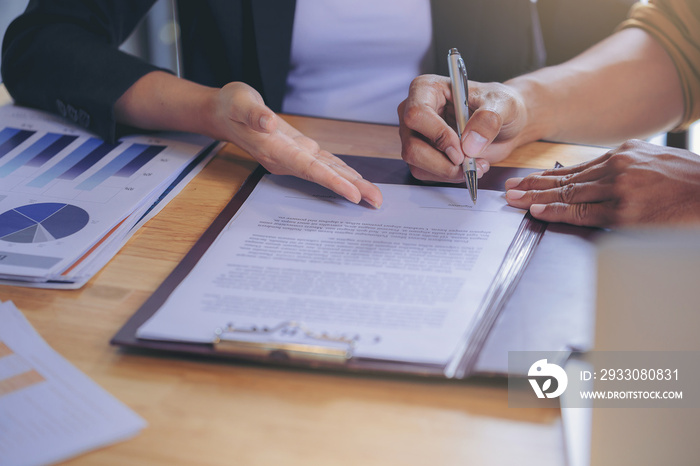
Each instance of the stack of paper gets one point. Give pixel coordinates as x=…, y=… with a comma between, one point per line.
x=69, y=201
x=49, y=410
x=402, y=284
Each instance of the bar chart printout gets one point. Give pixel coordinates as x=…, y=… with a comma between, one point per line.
x=10, y=138
x=49, y=410
x=75, y=163
x=65, y=193
x=97, y=160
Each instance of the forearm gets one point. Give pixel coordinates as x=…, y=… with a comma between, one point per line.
x=162, y=101
x=63, y=57
x=237, y=113
x=622, y=88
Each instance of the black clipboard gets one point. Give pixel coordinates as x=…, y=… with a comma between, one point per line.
x=338, y=355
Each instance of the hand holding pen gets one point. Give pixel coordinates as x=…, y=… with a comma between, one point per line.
x=460, y=96
x=429, y=142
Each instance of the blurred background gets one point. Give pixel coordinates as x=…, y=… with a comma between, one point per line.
x=568, y=27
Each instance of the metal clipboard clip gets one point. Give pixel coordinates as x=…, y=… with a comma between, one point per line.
x=245, y=341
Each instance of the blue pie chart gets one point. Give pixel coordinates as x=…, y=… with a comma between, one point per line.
x=41, y=222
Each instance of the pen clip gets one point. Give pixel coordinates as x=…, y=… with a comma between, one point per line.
x=460, y=89
x=465, y=84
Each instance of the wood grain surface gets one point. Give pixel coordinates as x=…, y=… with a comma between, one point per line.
x=213, y=413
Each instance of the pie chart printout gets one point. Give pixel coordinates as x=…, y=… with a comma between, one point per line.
x=41, y=222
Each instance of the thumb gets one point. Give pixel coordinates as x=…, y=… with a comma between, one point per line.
x=247, y=107
x=481, y=129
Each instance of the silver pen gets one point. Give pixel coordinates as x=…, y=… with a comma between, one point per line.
x=460, y=94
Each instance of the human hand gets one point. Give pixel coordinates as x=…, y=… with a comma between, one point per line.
x=636, y=183
x=430, y=144
x=243, y=118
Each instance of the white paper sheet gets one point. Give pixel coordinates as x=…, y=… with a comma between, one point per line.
x=403, y=281
x=63, y=192
x=49, y=410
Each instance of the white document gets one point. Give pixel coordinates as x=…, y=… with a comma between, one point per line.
x=404, y=281
x=49, y=410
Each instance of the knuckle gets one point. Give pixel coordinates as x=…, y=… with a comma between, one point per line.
x=563, y=181
x=425, y=79
x=621, y=159
x=417, y=81
x=537, y=197
x=567, y=193
x=630, y=144
x=412, y=115
x=400, y=110
x=441, y=139
x=581, y=213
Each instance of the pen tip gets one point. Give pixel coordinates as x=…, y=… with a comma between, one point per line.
x=470, y=176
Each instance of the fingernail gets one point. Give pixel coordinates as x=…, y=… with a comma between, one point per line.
x=514, y=194
x=264, y=122
x=373, y=201
x=536, y=209
x=483, y=164
x=512, y=182
x=454, y=155
x=473, y=144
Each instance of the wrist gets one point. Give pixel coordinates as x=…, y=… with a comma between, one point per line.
x=540, y=119
x=162, y=101
x=207, y=113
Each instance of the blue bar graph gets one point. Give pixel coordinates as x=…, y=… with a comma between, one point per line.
x=7, y=133
x=11, y=138
x=29, y=153
x=45, y=155
x=145, y=157
x=114, y=167
x=88, y=161
x=67, y=163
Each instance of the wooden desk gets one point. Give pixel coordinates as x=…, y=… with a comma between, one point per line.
x=205, y=412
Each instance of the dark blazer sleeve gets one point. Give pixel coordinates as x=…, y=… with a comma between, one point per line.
x=63, y=56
